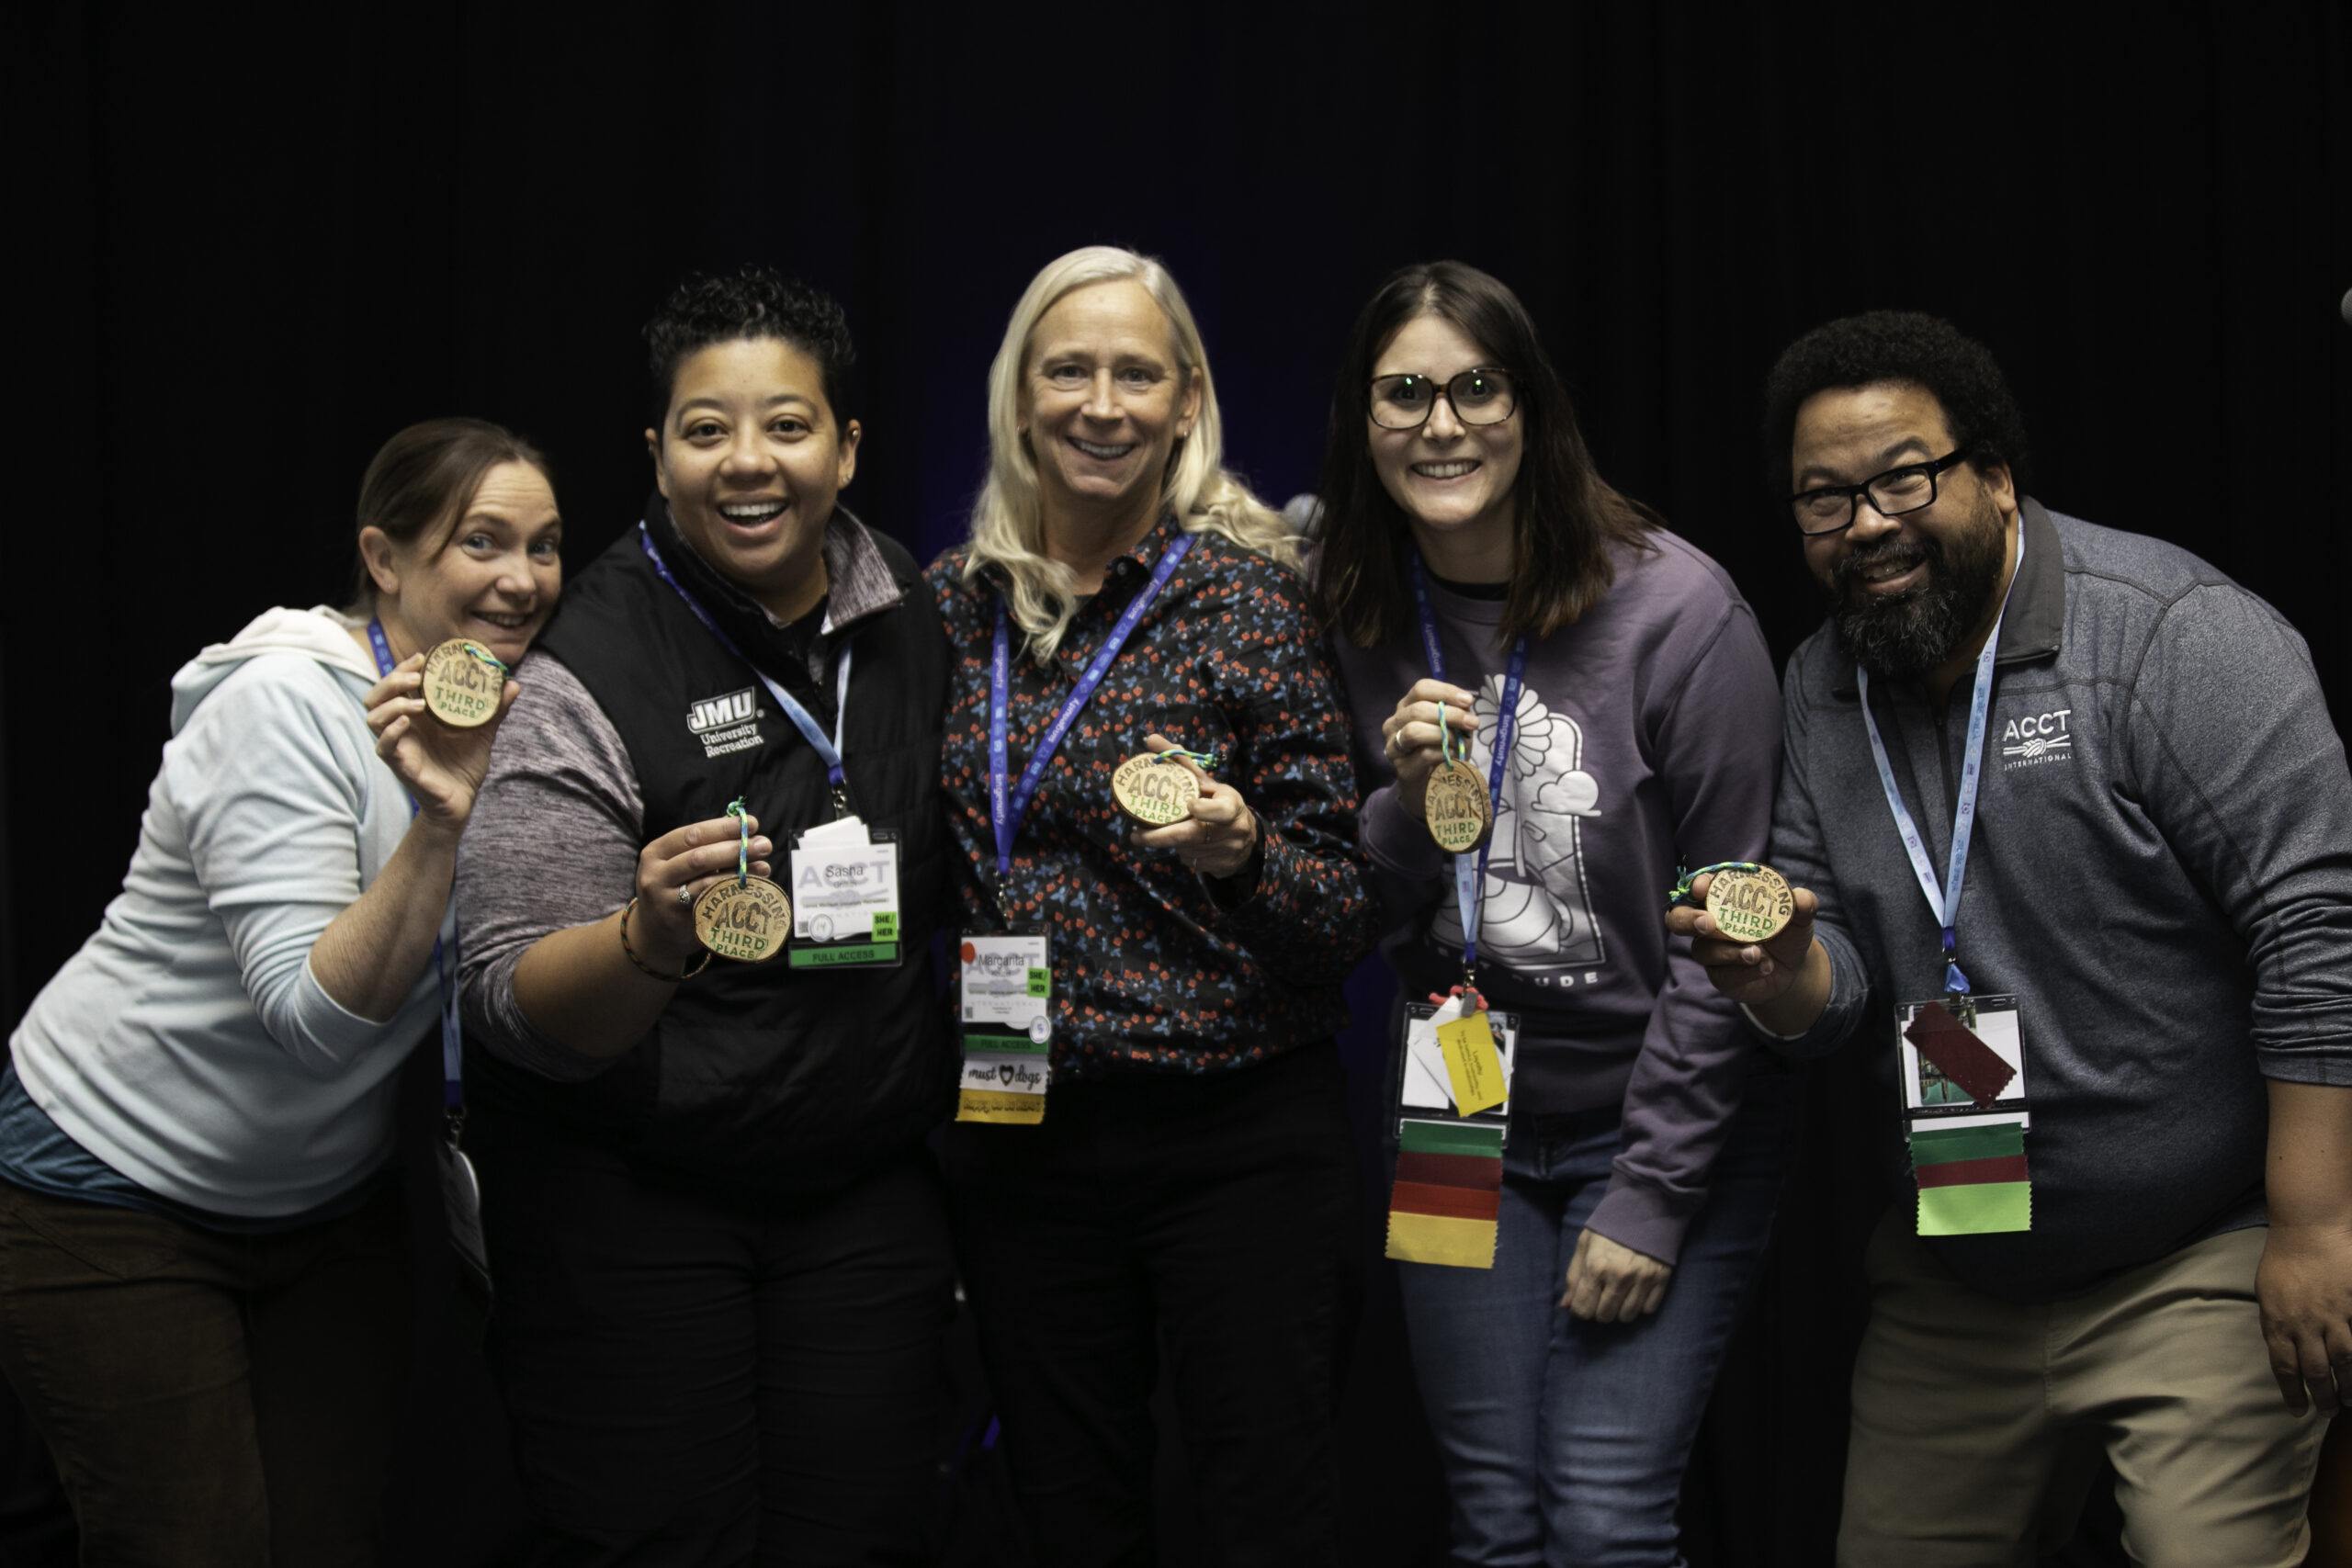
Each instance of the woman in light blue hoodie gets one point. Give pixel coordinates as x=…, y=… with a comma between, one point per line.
x=203, y=1285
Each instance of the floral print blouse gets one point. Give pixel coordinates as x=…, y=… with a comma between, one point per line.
x=1155, y=969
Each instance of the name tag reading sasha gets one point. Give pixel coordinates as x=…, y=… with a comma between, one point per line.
x=844, y=880
x=1007, y=1016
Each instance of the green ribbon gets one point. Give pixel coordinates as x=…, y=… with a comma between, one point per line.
x=486, y=656
x=1207, y=760
x=743, y=849
x=1681, y=892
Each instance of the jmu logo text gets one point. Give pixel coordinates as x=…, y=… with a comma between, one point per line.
x=714, y=712
x=727, y=723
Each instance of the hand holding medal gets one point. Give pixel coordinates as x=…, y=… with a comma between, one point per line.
x=1185, y=809
x=1749, y=929
x=440, y=764
x=743, y=916
x=1454, y=801
x=1431, y=731
x=462, y=681
x=660, y=933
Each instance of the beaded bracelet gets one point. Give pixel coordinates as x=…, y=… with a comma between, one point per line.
x=641, y=964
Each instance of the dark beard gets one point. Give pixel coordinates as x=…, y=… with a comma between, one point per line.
x=1902, y=639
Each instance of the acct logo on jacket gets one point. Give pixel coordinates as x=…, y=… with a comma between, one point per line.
x=729, y=723
x=2044, y=737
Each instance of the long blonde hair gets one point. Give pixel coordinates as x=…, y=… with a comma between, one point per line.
x=1008, y=523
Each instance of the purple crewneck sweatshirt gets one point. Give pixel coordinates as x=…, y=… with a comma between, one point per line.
x=1649, y=737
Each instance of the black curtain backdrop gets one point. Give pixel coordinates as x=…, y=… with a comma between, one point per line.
x=255, y=243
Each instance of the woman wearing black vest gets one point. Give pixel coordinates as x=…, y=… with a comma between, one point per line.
x=717, y=1240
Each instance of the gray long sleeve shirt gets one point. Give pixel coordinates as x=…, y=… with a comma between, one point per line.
x=2161, y=872
x=1645, y=736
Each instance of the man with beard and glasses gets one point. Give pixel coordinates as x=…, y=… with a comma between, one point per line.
x=2112, y=1029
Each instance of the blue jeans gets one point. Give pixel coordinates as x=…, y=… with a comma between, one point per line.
x=1565, y=1440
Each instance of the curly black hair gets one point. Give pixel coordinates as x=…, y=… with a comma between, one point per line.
x=753, y=301
x=1897, y=345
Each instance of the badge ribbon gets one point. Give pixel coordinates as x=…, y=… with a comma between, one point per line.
x=1448, y=1194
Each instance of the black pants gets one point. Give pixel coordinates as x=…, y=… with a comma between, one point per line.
x=212, y=1400
x=698, y=1381
x=1217, y=1216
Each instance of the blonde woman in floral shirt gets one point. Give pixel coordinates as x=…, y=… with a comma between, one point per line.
x=1191, y=1180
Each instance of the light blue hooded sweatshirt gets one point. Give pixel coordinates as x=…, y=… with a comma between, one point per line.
x=187, y=1044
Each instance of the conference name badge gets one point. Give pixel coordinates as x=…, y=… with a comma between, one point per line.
x=1963, y=1069
x=1006, y=1012
x=845, y=911
x=1453, y=1111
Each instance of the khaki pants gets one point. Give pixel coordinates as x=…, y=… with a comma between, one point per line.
x=1978, y=1423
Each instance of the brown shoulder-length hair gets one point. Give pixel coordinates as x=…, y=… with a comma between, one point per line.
x=1565, y=515
x=422, y=481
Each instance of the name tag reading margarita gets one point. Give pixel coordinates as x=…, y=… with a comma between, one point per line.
x=1007, y=1030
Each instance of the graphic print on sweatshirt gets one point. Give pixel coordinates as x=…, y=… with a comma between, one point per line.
x=1538, y=906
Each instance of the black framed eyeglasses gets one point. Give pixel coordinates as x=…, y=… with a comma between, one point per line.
x=1831, y=509
x=1478, y=396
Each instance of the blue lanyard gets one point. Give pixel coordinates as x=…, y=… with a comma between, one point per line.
x=828, y=748
x=1005, y=814
x=1469, y=868
x=453, y=1055
x=1945, y=900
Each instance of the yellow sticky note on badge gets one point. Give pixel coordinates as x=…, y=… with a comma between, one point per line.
x=1471, y=1062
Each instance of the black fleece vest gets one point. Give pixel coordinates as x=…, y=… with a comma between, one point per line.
x=787, y=1079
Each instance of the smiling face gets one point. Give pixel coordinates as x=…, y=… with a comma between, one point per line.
x=1452, y=480
x=493, y=578
x=750, y=458
x=1908, y=595
x=1103, y=401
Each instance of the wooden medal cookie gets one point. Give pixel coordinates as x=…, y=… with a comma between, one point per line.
x=1750, y=905
x=1154, y=793
x=744, y=921
x=462, y=682
x=1455, y=803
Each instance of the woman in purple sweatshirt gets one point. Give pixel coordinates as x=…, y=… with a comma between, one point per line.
x=1471, y=557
